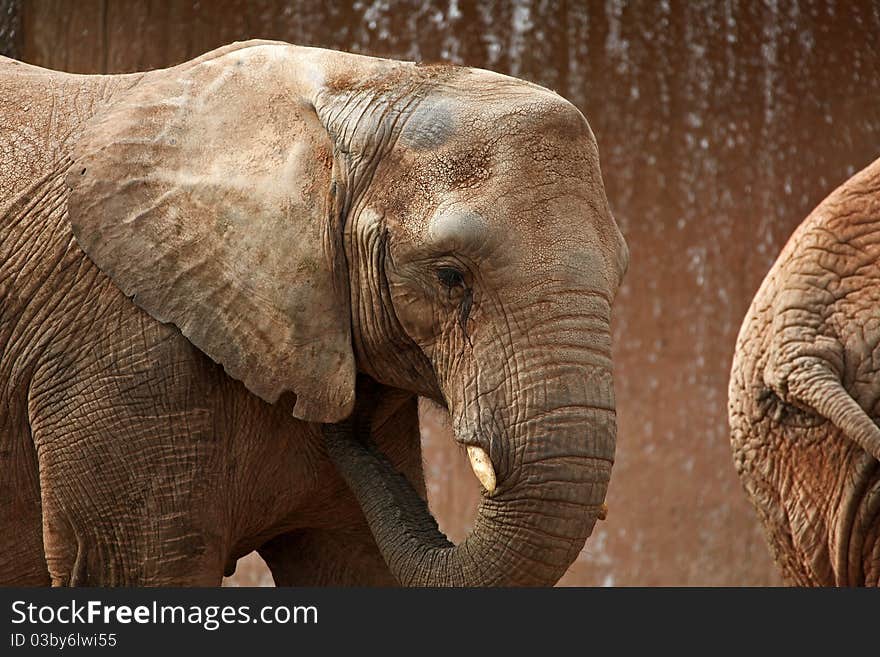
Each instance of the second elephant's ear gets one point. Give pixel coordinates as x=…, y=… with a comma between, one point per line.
x=204, y=193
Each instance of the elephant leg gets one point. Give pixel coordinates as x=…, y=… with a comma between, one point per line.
x=326, y=557
x=119, y=520
x=107, y=526
x=22, y=562
x=128, y=446
x=85, y=546
x=21, y=544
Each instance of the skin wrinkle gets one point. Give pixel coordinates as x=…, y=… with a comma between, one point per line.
x=852, y=494
x=26, y=339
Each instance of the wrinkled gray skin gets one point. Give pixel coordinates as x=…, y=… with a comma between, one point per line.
x=224, y=284
x=804, y=394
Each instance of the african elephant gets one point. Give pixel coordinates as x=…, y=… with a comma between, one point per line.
x=805, y=393
x=225, y=284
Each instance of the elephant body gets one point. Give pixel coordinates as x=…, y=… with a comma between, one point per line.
x=805, y=394
x=128, y=456
x=203, y=267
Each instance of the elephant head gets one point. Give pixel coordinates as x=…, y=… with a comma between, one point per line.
x=305, y=216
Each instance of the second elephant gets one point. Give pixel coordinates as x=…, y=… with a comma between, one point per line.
x=805, y=393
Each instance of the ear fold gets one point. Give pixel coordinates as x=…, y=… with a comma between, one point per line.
x=205, y=195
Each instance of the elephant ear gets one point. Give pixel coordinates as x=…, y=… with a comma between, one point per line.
x=204, y=194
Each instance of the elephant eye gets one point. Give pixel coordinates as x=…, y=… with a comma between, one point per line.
x=450, y=277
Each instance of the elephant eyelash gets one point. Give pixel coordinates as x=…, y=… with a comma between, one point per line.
x=453, y=279
x=450, y=277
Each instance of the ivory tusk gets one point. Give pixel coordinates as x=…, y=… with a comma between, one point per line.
x=481, y=464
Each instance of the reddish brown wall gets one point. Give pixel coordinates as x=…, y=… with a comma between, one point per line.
x=720, y=125
x=10, y=27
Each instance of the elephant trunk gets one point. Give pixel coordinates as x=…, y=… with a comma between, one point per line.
x=530, y=530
